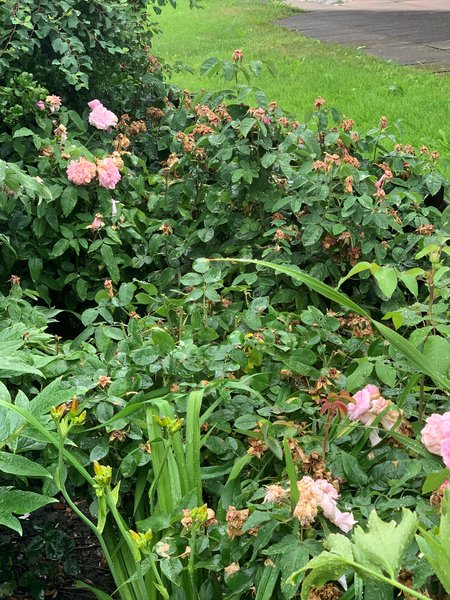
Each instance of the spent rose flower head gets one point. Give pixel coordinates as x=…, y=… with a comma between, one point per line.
x=96, y=224
x=100, y=117
x=108, y=173
x=81, y=171
x=320, y=492
x=54, y=103
x=275, y=493
x=237, y=56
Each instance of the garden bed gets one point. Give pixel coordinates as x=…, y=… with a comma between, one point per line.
x=224, y=353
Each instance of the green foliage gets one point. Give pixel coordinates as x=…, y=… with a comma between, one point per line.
x=434, y=545
x=367, y=553
x=234, y=184
x=78, y=45
x=17, y=502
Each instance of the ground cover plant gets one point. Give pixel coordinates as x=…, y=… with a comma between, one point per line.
x=223, y=340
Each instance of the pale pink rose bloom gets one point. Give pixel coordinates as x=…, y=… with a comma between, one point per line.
x=81, y=171
x=344, y=520
x=373, y=391
x=368, y=403
x=390, y=418
x=445, y=451
x=328, y=505
x=360, y=406
x=326, y=488
x=54, y=102
x=101, y=117
x=108, y=174
x=379, y=183
x=40, y=105
x=94, y=104
x=437, y=429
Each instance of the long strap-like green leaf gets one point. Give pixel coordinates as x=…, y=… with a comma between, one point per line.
x=415, y=357
x=194, y=404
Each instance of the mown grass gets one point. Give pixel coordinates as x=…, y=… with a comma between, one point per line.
x=362, y=87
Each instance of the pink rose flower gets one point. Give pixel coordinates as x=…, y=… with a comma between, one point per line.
x=437, y=429
x=344, y=520
x=389, y=419
x=445, y=451
x=108, y=174
x=368, y=403
x=40, y=105
x=100, y=117
x=361, y=406
x=94, y=104
x=81, y=171
x=327, y=488
x=379, y=183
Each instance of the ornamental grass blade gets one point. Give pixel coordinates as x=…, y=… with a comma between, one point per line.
x=194, y=404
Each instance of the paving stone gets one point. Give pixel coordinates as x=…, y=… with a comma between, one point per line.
x=410, y=32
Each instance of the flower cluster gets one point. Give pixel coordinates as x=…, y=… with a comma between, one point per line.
x=436, y=436
x=320, y=493
x=100, y=117
x=367, y=405
x=83, y=171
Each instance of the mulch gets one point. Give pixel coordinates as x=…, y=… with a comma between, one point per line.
x=84, y=556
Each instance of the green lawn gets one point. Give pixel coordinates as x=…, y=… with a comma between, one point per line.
x=362, y=87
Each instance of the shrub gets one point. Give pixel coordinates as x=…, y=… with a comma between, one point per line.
x=80, y=45
x=203, y=178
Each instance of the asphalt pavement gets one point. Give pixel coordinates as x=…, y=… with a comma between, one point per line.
x=408, y=32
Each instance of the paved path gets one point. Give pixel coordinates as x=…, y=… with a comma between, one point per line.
x=409, y=32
